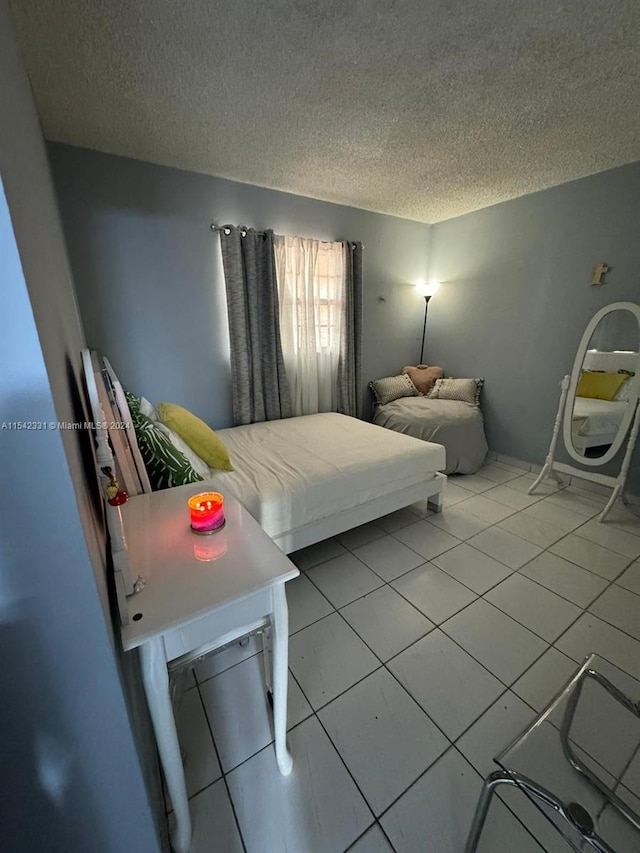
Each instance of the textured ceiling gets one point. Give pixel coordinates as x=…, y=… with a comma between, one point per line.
x=425, y=109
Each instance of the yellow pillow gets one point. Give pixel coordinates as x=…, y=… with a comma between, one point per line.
x=600, y=386
x=200, y=437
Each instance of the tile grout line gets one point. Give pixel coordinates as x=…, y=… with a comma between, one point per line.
x=224, y=774
x=478, y=596
x=314, y=712
x=440, y=625
x=549, y=644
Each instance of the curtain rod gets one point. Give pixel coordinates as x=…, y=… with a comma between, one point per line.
x=226, y=229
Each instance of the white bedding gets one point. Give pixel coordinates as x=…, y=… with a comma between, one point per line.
x=596, y=417
x=291, y=472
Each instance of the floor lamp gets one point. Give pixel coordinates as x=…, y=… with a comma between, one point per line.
x=427, y=290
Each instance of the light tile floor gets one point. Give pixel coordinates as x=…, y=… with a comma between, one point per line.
x=420, y=645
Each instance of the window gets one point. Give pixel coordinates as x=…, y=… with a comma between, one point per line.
x=311, y=285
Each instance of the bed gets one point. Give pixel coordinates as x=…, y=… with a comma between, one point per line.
x=458, y=426
x=306, y=478
x=595, y=422
x=303, y=479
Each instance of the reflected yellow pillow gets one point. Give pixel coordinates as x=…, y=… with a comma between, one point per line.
x=200, y=437
x=600, y=386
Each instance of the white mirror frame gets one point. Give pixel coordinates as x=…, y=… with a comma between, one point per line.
x=553, y=469
x=594, y=462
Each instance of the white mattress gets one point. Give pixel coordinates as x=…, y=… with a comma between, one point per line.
x=291, y=472
x=595, y=417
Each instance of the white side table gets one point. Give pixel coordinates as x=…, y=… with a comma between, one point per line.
x=201, y=592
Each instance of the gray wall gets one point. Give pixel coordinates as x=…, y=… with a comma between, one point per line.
x=516, y=297
x=71, y=778
x=149, y=277
x=514, y=300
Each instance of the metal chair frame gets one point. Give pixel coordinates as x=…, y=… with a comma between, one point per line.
x=575, y=815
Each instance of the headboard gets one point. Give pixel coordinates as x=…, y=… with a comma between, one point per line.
x=116, y=452
x=611, y=362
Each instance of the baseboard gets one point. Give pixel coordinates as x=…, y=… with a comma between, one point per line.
x=513, y=462
x=508, y=460
x=578, y=482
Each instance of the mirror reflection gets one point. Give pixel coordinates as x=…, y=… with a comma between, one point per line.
x=604, y=389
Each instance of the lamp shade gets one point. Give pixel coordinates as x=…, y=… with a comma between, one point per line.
x=428, y=288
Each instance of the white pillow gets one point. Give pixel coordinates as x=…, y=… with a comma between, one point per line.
x=623, y=394
x=198, y=464
x=149, y=410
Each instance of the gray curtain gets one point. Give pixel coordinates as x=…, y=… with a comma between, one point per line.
x=260, y=387
x=350, y=361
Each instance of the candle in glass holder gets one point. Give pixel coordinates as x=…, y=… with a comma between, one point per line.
x=206, y=512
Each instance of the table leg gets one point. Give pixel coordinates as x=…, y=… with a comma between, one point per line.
x=280, y=654
x=266, y=660
x=156, y=685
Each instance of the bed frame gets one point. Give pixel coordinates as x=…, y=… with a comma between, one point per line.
x=325, y=528
x=583, y=443
x=110, y=410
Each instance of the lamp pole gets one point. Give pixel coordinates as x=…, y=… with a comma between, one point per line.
x=424, y=327
x=426, y=290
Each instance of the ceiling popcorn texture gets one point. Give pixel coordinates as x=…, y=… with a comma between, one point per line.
x=425, y=109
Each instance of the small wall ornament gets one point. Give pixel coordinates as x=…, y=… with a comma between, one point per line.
x=598, y=271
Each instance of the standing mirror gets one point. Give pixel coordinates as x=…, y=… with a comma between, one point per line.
x=603, y=388
x=599, y=400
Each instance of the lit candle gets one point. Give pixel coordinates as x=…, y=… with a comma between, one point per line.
x=206, y=511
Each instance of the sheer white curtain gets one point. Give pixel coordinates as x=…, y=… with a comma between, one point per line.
x=311, y=285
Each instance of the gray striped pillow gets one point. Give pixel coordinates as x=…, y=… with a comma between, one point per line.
x=392, y=388
x=463, y=390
